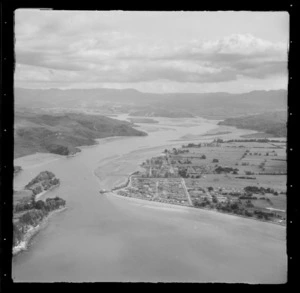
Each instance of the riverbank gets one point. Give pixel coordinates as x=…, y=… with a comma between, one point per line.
x=32, y=231
x=174, y=206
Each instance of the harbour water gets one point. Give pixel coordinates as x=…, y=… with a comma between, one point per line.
x=100, y=237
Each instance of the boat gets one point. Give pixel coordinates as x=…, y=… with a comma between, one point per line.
x=103, y=191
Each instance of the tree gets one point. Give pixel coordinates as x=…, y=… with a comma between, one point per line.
x=31, y=217
x=214, y=199
x=40, y=205
x=17, y=235
x=182, y=173
x=234, y=206
x=215, y=161
x=249, y=173
x=248, y=213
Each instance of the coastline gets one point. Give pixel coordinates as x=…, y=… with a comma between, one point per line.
x=175, y=205
x=23, y=245
x=148, y=233
x=97, y=141
x=58, y=156
x=36, y=159
x=144, y=201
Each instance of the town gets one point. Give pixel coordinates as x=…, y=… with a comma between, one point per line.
x=246, y=177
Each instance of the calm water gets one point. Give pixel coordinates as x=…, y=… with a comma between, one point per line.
x=106, y=238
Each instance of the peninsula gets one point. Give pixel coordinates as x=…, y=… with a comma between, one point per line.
x=29, y=213
x=241, y=177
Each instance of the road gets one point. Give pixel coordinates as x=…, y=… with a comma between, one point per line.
x=186, y=191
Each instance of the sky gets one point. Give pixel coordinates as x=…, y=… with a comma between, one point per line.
x=156, y=52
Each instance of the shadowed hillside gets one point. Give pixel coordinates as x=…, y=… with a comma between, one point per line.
x=61, y=134
x=272, y=123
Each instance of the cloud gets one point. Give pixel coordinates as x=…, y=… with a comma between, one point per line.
x=82, y=47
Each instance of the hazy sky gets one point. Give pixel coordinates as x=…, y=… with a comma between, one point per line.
x=152, y=51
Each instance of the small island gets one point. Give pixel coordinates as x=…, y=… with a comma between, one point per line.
x=29, y=213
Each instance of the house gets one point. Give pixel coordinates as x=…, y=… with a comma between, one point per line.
x=222, y=198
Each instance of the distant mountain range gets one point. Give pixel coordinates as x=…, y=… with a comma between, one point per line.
x=208, y=105
x=61, y=134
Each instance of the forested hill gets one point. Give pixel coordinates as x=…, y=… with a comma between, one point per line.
x=274, y=123
x=61, y=134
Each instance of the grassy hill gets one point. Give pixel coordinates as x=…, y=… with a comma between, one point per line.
x=272, y=123
x=61, y=134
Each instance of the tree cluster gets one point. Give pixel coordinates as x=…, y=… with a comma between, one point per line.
x=36, y=212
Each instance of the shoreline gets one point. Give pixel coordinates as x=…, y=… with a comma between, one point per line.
x=29, y=234
x=82, y=147
x=107, y=138
x=23, y=245
x=173, y=205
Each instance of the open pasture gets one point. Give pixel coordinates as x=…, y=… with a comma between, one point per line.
x=232, y=183
x=273, y=166
x=225, y=156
